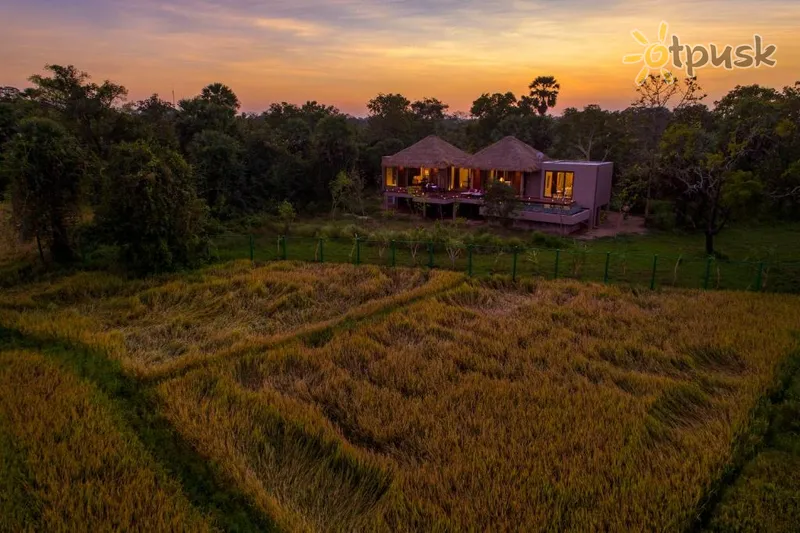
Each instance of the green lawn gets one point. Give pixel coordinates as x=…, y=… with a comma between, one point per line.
x=739, y=243
x=749, y=256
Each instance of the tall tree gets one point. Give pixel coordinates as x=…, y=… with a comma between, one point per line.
x=335, y=150
x=217, y=161
x=46, y=167
x=654, y=98
x=151, y=210
x=429, y=113
x=80, y=103
x=490, y=110
x=158, y=118
x=220, y=95
x=772, y=119
x=587, y=134
x=703, y=168
x=390, y=116
x=214, y=109
x=544, y=93
x=535, y=130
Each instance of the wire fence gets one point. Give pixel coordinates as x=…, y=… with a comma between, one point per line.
x=638, y=269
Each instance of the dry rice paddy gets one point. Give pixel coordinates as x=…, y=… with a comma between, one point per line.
x=357, y=398
x=67, y=464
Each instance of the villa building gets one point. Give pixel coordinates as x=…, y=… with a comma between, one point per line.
x=563, y=195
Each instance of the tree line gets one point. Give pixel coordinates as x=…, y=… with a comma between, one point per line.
x=155, y=175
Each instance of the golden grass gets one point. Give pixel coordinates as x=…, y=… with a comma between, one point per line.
x=572, y=407
x=360, y=398
x=166, y=323
x=76, y=469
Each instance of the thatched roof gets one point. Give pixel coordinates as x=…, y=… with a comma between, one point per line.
x=509, y=153
x=430, y=152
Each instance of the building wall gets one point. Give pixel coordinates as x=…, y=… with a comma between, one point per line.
x=533, y=184
x=605, y=174
x=584, y=184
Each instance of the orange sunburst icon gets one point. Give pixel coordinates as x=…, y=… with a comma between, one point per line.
x=655, y=55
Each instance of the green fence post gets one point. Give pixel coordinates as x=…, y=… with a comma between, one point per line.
x=358, y=250
x=653, y=277
x=394, y=248
x=760, y=276
x=430, y=255
x=608, y=261
x=558, y=255
x=322, y=250
x=708, y=271
x=514, y=265
x=469, y=260
x=252, y=249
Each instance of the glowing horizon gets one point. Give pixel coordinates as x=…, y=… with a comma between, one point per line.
x=344, y=52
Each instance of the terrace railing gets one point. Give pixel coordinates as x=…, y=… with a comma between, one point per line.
x=636, y=269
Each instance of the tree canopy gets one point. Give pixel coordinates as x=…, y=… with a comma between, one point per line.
x=64, y=143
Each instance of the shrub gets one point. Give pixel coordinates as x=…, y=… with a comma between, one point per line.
x=287, y=215
x=500, y=201
x=151, y=209
x=662, y=215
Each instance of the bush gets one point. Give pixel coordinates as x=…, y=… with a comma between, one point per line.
x=287, y=216
x=662, y=215
x=544, y=240
x=151, y=210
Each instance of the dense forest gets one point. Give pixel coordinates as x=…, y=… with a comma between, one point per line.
x=157, y=175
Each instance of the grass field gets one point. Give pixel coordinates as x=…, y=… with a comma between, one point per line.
x=749, y=257
x=69, y=464
x=329, y=397
x=765, y=496
x=166, y=322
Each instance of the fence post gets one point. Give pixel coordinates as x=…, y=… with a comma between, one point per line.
x=430, y=255
x=393, y=253
x=358, y=250
x=252, y=249
x=558, y=255
x=608, y=260
x=760, y=276
x=653, y=277
x=283, y=247
x=322, y=250
x=708, y=271
x=514, y=265
x=469, y=260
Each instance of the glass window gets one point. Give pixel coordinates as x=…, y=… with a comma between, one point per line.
x=558, y=184
x=568, y=185
x=463, y=178
x=548, y=184
x=391, y=177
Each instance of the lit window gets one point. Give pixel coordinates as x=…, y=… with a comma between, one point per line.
x=463, y=178
x=558, y=184
x=391, y=177
x=548, y=184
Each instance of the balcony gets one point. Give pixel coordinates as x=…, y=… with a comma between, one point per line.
x=561, y=211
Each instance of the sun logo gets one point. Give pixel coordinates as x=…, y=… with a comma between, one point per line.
x=655, y=56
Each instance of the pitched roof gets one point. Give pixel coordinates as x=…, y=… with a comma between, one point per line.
x=509, y=153
x=429, y=152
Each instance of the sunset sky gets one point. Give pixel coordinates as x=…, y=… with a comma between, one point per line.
x=343, y=52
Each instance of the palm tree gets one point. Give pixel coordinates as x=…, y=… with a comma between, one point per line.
x=544, y=93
